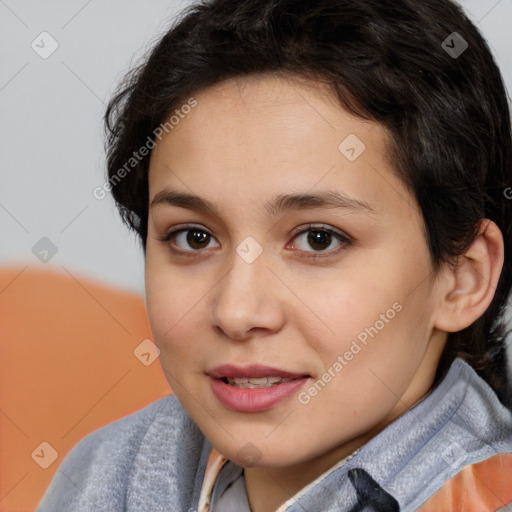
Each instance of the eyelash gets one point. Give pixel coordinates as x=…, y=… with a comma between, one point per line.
x=345, y=240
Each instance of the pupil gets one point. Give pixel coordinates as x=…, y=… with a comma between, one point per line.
x=322, y=238
x=195, y=238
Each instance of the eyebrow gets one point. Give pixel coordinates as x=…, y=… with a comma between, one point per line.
x=280, y=204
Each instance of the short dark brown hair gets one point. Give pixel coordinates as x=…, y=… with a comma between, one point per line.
x=401, y=63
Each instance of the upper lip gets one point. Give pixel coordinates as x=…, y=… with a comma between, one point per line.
x=253, y=370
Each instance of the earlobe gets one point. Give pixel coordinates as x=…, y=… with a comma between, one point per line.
x=472, y=282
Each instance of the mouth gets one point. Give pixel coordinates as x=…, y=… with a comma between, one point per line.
x=253, y=388
x=254, y=382
x=256, y=375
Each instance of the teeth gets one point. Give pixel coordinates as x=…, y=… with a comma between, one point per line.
x=259, y=380
x=255, y=382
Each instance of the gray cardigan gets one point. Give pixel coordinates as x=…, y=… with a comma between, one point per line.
x=154, y=459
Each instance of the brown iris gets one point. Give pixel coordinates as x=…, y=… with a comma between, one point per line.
x=322, y=238
x=196, y=237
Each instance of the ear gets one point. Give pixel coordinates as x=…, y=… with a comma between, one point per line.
x=468, y=288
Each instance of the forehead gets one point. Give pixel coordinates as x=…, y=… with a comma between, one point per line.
x=275, y=110
x=249, y=137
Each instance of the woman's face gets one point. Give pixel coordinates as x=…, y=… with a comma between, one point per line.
x=298, y=259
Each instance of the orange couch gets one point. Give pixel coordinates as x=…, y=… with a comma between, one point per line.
x=74, y=355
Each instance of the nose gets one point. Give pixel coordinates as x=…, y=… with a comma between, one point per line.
x=247, y=301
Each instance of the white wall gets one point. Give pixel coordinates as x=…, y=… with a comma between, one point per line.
x=51, y=129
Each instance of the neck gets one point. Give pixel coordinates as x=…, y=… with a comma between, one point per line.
x=269, y=488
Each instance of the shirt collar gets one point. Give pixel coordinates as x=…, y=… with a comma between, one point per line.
x=216, y=462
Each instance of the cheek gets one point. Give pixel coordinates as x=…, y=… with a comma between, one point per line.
x=171, y=308
x=355, y=303
x=375, y=320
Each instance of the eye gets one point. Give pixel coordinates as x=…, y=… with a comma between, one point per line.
x=186, y=238
x=321, y=238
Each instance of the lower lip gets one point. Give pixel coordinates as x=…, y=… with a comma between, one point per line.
x=254, y=399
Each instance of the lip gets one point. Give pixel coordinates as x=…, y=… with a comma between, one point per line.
x=253, y=370
x=253, y=399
